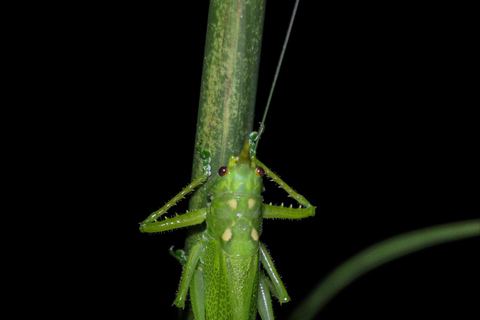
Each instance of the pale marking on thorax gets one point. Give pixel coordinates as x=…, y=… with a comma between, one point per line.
x=254, y=234
x=227, y=234
x=232, y=203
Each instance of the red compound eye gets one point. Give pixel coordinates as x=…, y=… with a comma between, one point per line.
x=260, y=172
x=222, y=171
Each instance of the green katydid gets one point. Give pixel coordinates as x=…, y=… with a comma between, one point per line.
x=222, y=271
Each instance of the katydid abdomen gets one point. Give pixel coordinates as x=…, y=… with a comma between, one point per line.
x=230, y=284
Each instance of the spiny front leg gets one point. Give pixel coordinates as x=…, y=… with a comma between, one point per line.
x=157, y=214
x=205, y=154
x=280, y=211
x=179, y=221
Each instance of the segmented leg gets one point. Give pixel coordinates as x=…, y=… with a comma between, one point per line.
x=271, y=211
x=264, y=304
x=197, y=295
x=298, y=197
x=280, y=291
x=188, y=219
x=157, y=214
x=187, y=275
x=279, y=212
x=205, y=154
x=197, y=287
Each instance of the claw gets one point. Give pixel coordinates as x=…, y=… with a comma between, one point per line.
x=179, y=255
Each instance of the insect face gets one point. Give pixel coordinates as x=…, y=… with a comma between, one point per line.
x=241, y=176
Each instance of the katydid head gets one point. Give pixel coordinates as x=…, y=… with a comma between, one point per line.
x=241, y=175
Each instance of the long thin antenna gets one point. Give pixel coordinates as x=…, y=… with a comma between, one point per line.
x=262, y=125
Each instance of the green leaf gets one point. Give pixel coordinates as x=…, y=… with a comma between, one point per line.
x=377, y=255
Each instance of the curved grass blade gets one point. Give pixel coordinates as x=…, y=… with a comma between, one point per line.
x=377, y=255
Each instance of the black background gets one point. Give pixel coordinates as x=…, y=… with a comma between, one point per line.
x=364, y=122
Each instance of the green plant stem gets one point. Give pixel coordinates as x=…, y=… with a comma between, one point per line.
x=377, y=255
x=228, y=91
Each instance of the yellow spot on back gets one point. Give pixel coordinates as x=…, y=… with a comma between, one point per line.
x=254, y=234
x=227, y=234
x=251, y=203
x=232, y=203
